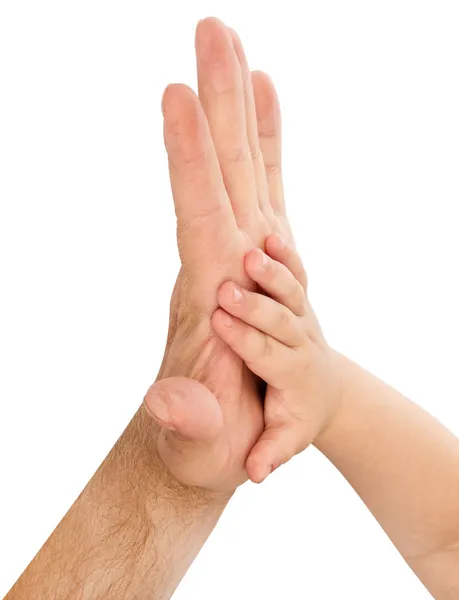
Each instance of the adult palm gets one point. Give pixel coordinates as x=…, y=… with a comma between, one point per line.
x=224, y=153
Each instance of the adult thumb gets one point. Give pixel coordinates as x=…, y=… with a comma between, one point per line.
x=192, y=422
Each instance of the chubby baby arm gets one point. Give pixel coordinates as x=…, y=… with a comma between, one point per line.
x=401, y=461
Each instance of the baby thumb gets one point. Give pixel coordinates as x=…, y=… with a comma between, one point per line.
x=275, y=446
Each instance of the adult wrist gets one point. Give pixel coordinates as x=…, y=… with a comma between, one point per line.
x=137, y=451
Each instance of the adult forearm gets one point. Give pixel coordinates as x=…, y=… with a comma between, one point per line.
x=132, y=533
x=404, y=465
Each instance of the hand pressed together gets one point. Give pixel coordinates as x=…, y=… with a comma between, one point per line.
x=280, y=340
x=224, y=150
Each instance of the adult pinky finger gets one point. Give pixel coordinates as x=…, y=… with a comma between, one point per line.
x=263, y=355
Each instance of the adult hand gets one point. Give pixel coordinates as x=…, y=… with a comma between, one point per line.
x=224, y=152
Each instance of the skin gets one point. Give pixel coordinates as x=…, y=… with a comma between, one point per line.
x=400, y=460
x=139, y=523
x=279, y=338
x=143, y=517
x=224, y=159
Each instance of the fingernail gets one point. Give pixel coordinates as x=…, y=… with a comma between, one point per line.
x=264, y=258
x=237, y=294
x=159, y=407
x=227, y=320
x=269, y=470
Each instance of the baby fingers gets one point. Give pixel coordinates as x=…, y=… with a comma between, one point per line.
x=261, y=312
x=276, y=279
x=263, y=355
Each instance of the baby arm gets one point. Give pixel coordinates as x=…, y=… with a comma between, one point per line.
x=400, y=460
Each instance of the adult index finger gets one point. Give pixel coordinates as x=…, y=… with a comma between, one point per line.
x=204, y=214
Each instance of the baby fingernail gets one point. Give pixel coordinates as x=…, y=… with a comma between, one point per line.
x=237, y=294
x=269, y=469
x=264, y=258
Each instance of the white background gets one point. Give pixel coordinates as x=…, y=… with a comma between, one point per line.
x=369, y=94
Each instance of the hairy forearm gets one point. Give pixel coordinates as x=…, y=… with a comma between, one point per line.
x=405, y=466
x=132, y=533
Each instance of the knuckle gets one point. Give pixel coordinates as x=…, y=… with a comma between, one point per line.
x=255, y=151
x=236, y=156
x=273, y=168
x=193, y=156
x=245, y=218
x=266, y=350
x=283, y=320
x=245, y=337
x=201, y=214
x=277, y=411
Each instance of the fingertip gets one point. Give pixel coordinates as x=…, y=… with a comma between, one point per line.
x=223, y=291
x=258, y=470
x=256, y=259
x=253, y=254
x=221, y=320
x=215, y=319
x=275, y=243
x=255, y=476
x=256, y=479
x=229, y=294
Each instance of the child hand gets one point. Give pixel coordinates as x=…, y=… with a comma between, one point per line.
x=280, y=340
